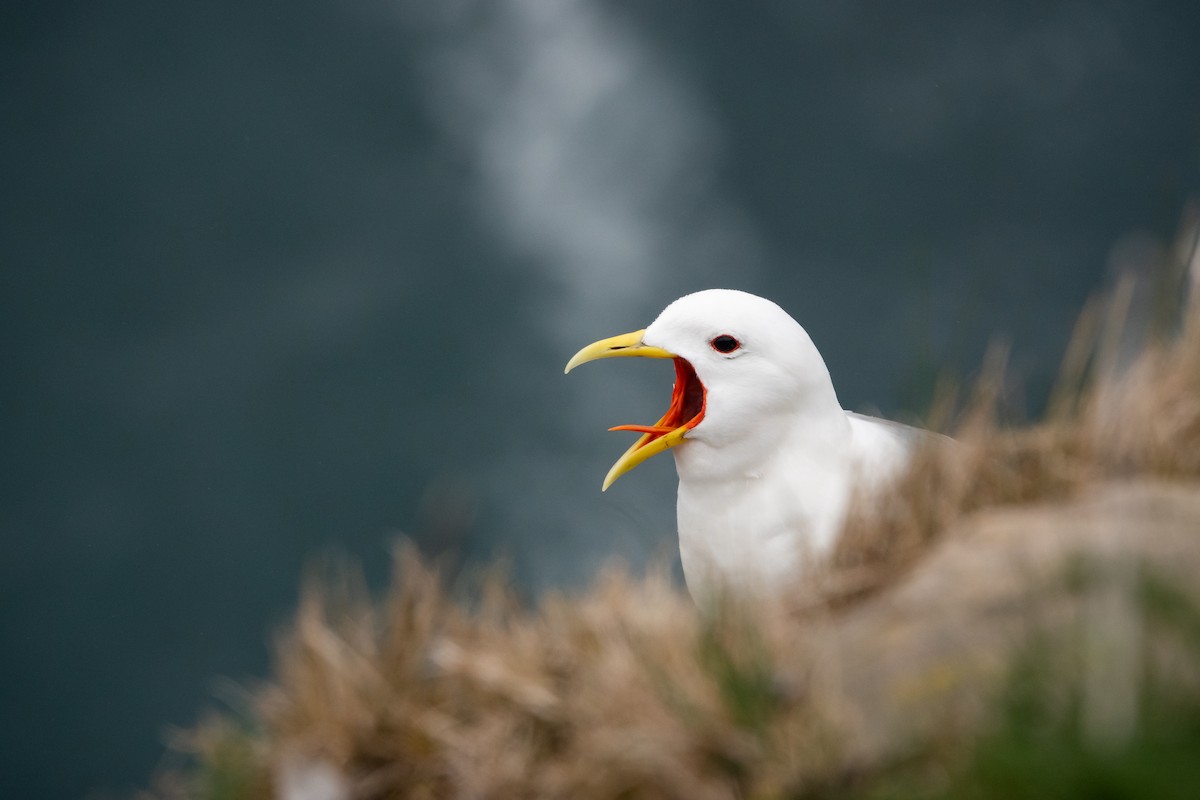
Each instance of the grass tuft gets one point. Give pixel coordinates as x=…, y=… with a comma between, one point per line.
x=1017, y=618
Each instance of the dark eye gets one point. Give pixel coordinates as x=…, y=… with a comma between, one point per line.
x=725, y=343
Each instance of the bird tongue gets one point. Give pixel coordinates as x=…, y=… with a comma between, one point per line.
x=688, y=398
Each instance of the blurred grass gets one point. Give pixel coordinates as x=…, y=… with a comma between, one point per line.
x=1036, y=747
x=928, y=660
x=1040, y=746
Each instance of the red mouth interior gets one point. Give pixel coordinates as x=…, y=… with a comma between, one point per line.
x=687, y=406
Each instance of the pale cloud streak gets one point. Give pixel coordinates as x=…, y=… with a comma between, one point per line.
x=593, y=161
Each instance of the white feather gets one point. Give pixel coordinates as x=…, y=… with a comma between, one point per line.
x=765, y=478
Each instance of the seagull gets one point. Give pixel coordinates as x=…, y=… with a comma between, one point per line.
x=766, y=456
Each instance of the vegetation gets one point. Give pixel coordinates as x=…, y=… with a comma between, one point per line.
x=1015, y=620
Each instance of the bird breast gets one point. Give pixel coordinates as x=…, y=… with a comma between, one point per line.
x=760, y=527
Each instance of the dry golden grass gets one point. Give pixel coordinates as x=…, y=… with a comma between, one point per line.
x=1106, y=420
x=627, y=690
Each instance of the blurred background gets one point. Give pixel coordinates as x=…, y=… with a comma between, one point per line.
x=287, y=279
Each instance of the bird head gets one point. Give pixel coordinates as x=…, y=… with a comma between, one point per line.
x=744, y=369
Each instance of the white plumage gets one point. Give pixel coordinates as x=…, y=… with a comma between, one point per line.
x=767, y=458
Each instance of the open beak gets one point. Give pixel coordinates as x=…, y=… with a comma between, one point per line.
x=687, y=401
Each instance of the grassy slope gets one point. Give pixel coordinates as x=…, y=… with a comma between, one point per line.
x=1017, y=620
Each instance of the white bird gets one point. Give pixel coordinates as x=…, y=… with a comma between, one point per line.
x=767, y=458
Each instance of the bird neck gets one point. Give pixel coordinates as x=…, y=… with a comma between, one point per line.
x=818, y=435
